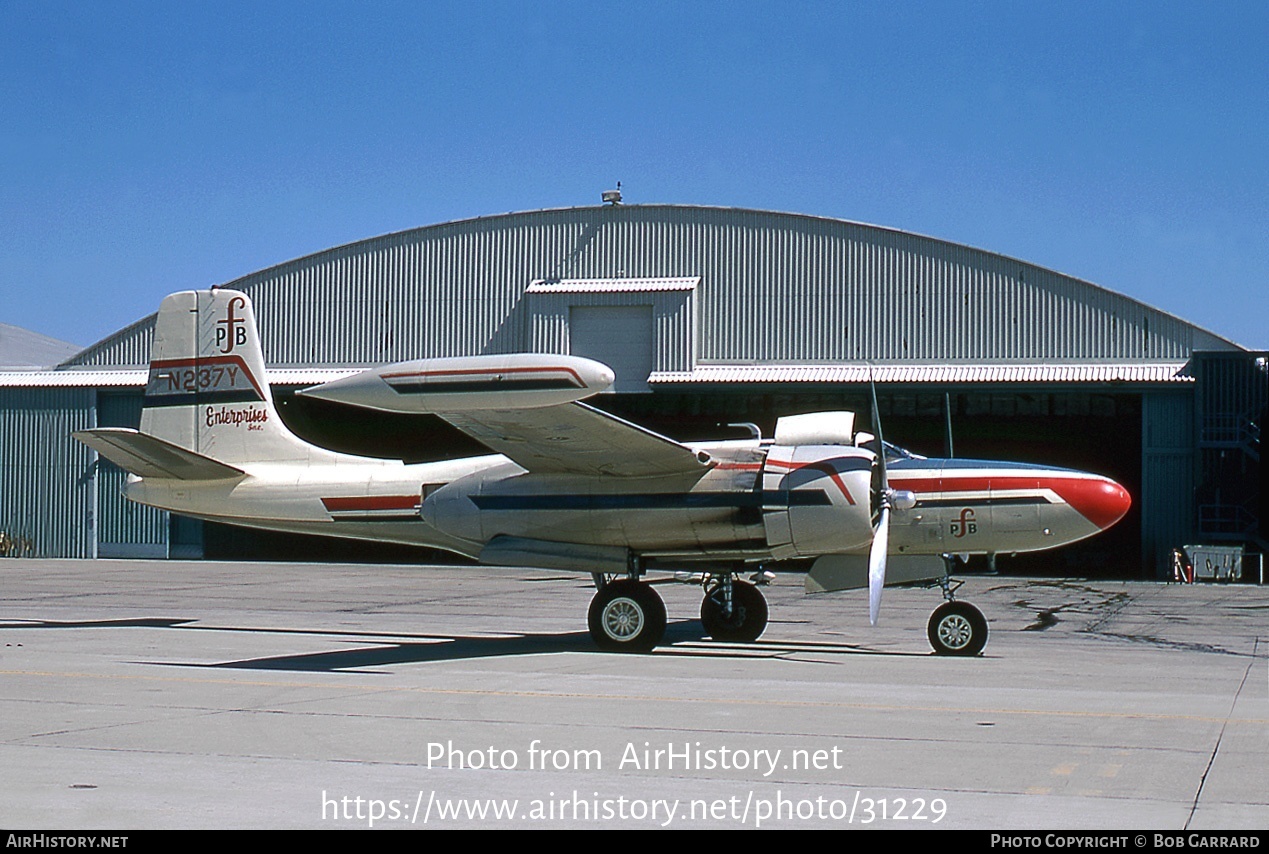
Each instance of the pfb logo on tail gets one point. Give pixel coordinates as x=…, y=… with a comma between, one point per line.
x=232, y=330
x=966, y=524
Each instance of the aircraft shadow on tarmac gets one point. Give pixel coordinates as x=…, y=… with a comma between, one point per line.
x=684, y=638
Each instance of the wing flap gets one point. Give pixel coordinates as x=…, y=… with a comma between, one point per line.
x=577, y=439
x=146, y=456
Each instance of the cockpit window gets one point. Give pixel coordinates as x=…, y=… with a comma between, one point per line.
x=893, y=452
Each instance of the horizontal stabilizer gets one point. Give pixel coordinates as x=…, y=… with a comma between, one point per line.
x=146, y=456
x=831, y=573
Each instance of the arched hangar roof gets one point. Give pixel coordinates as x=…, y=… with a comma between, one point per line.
x=728, y=286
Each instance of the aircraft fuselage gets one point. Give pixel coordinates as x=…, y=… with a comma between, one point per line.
x=961, y=506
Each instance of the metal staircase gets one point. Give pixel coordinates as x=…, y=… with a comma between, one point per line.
x=1232, y=400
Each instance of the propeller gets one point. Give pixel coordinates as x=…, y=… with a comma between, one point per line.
x=881, y=533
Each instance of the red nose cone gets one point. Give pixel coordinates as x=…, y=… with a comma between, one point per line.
x=1099, y=500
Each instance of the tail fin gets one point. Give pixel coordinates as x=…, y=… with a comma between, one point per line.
x=207, y=391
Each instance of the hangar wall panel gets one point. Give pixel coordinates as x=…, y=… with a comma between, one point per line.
x=47, y=491
x=129, y=346
x=1167, y=478
x=773, y=288
x=125, y=529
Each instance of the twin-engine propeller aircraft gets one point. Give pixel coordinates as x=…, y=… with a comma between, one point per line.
x=570, y=487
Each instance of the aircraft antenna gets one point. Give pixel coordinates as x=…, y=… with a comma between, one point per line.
x=947, y=418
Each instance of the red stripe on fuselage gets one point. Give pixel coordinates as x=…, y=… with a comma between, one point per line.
x=817, y=466
x=1100, y=500
x=969, y=484
x=372, y=502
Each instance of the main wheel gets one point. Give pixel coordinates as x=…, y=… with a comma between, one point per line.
x=627, y=616
x=748, y=619
x=957, y=628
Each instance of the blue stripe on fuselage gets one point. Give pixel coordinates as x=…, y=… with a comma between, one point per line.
x=654, y=500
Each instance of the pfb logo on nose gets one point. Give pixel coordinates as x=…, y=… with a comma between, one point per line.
x=231, y=331
x=966, y=524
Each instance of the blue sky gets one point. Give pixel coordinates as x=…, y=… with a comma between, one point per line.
x=153, y=147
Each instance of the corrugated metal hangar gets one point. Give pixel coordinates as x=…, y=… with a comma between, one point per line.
x=709, y=316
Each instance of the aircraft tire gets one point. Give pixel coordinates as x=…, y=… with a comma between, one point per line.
x=626, y=616
x=957, y=628
x=748, y=618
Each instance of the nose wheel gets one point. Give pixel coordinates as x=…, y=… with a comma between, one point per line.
x=957, y=628
x=626, y=616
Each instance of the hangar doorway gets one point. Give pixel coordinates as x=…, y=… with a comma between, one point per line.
x=620, y=336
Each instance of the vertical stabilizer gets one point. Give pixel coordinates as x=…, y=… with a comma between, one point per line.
x=207, y=391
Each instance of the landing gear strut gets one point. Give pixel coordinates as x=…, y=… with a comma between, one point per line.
x=956, y=628
x=733, y=610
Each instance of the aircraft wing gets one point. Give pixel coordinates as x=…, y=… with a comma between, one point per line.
x=147, y=456
x=577, y=439
x=525, y=406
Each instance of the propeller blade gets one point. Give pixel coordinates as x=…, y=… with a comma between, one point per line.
x=881, y=439
x=881, y=534
x=877, y=563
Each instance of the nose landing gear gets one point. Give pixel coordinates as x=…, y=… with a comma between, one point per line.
x=956, y=628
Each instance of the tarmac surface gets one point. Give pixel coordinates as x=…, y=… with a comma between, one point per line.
x=141, y=694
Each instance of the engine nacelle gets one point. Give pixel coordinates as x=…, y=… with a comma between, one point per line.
x=817, y=499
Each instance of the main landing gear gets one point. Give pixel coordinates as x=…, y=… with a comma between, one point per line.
x=956, y=628
x=733, y=610
x=628, y=615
